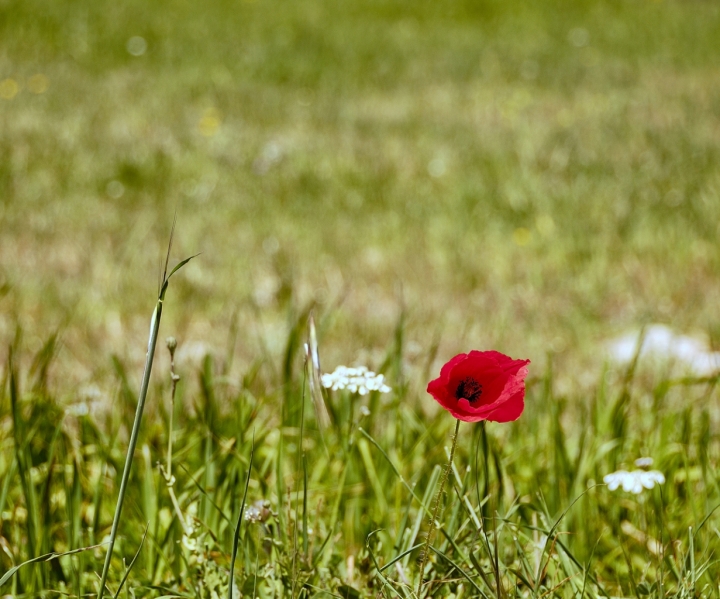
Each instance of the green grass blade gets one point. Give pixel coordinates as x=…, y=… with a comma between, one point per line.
x=42, y=558
x=462, y=572
x=236, y=534
x=152, y=342
x=154, y=329
x=132, y=563
x=20, y=438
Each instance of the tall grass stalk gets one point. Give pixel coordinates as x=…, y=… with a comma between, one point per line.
x=152, y=341
x=436, y=510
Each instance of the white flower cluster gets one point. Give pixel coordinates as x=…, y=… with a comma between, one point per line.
x=190, y=536
x=258, y=511
x=635, y=481
x=356, y=380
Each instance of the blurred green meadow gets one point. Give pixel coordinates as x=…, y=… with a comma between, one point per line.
x=426, y=178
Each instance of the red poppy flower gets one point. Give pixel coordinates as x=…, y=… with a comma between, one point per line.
x=481, y=385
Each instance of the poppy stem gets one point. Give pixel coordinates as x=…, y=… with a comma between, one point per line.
x=434, y=523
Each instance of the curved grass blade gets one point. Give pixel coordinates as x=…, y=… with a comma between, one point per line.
x=205, y=494
x=459, y=569
x=397, y=558
x=383, y=579
x=43, y=558
x=132, y=562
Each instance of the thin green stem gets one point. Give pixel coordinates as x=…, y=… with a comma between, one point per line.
x=174, y=378
x=152, y=342
x=436, y=510
x=154, y=328
x=171, y=343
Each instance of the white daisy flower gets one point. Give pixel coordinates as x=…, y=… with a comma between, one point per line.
x=356, y=380
x=635, y=481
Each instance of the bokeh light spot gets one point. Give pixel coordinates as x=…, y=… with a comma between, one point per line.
x=136, y=45
x=521, y=236
x=115, y=189
x=579, y=37
x=8, y=89
x=209, y=123
x=437, y=167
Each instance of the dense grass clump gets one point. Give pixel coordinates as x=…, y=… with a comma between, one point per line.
x=343, y=509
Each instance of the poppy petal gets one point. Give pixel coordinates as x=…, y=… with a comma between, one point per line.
x=481, y=385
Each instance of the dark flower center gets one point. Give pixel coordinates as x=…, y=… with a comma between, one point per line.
x=470, y=389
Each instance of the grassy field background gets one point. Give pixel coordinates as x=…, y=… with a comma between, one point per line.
x=429, y=178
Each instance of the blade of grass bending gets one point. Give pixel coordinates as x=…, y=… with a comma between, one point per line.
x=549, y=534
x=401, y=478
x=459, y=569
x=566, y=550
x=423, y=502
x=318, y=554
x=397, y=558
x=236, y=536
x=705, y=519
x=383, y=579
x=152, y=342
x=205, y=494
x=42, y=558
x=132, y=562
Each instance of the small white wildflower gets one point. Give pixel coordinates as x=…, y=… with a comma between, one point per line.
x=258, y=511
x=189, y=538
x=190, y=543
x=356, y=380
x=644, y=462
x=635, y=481
x=91, y=393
